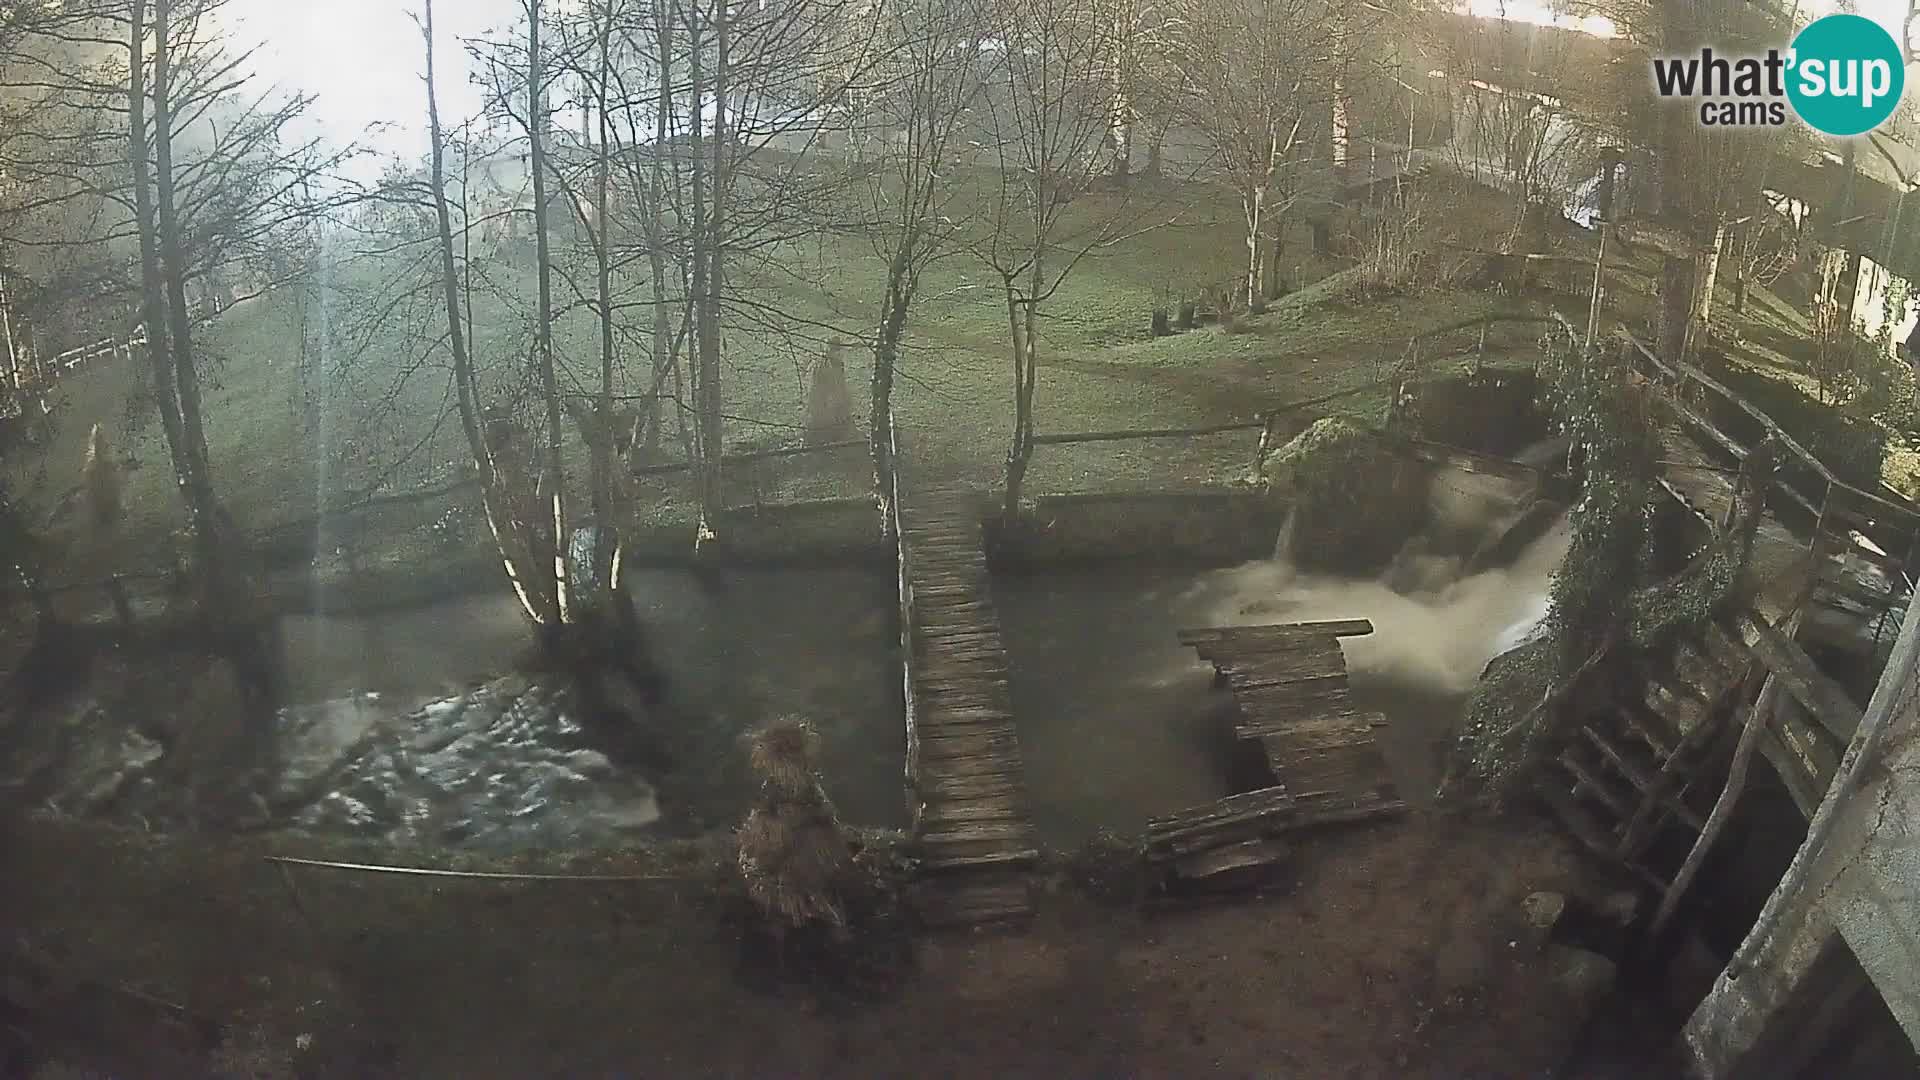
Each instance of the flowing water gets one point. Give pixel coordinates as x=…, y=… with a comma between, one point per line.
x=399, y=726
x=1119, y=722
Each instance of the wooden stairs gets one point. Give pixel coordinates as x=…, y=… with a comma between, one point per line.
x=1626, y=775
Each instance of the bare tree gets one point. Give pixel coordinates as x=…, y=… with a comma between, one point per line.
x=1047, y=105
x=145, y=131
x=533, y=578
x=1260, y=75
x=1143, y=76
x=927, y=86
x=1520, y=105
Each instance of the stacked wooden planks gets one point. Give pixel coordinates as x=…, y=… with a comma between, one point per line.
x=1290, y=683
x=970, y=826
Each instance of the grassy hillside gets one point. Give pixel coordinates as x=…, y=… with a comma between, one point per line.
x=387, y=419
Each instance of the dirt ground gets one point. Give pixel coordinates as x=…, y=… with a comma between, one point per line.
x=1395, y=951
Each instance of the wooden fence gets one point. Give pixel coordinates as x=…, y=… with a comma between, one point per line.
x=1424, y=351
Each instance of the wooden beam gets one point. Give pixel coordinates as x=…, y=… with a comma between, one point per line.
x=1804, y=788
x=1826, y=699
x=1332, y=627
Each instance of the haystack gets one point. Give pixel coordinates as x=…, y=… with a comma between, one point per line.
x=793, y=856
x=102, y=477
x=829, y=400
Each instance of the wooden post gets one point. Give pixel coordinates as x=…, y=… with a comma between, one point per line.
x=1757, y=717
x=1599, y=284
x=1265, y=445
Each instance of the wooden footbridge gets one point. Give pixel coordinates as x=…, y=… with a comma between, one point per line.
x=966, y=792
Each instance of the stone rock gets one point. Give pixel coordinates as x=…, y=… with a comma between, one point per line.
x=1543, y=910
x=1586, y=977
x=1620, y=907
x=1353, y=502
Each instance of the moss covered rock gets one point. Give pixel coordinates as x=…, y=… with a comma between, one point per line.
x=1354, y=502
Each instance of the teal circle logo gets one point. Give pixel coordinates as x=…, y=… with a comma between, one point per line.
x=1845, y=74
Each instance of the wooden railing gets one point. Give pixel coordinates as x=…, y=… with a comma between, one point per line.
x=1421, y=354
x=1830, y=502
x=908, y=662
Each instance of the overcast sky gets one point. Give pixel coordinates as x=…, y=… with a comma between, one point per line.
x=363, y=60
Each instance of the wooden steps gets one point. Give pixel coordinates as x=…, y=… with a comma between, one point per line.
x=972, y=835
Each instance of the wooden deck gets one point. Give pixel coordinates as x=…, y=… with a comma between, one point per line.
x=1290, y=684
x=968, y=801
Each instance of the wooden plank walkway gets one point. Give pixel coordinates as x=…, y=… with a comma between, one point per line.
x=971, y=829
x=1290, y=683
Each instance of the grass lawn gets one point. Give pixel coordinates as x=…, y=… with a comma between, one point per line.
x=387, y=418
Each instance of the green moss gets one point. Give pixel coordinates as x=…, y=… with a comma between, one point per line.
x=1503, y=731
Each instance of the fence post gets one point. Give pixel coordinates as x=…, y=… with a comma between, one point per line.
x=1265, y=445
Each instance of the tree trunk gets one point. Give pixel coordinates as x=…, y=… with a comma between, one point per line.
x=886, y=354
x=509, y=536
x=1021, y=319
x=1342, y=124
x=1739, y=292
x=1757, y=718
x=1276, y=284
x=710, y=373
x=1608, y=166
x=1120, y=132
x=707, y=426
x=602, y=449
x=1254, y=202
x=6, y=333
x=203, y=509
x=554, y=467
x=159, y=356
x=1676, y=306
x=663, y=341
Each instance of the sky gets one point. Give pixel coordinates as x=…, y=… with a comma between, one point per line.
x=363, y=60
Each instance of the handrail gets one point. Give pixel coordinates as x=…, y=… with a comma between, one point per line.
x=1145, y=433
x=1680, y=369
x=1267, y=417
x=1486, y=320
